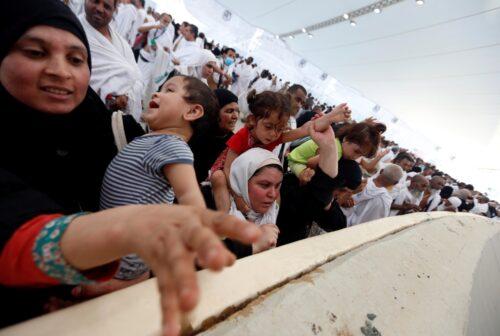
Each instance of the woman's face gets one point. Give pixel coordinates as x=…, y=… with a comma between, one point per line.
x=264, y=189
x=228, y=116
x=47, y=69
x=207, y=70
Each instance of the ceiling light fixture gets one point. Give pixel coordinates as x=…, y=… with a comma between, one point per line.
x=291, y=37
x=420, y=2
x=310, y=35
x=374, y=7
x=353, y=23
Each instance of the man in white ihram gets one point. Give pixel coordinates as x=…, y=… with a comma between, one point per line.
x=125, y=20
x=409, y=198
x=374, y=201
x=431, y=203
x=115, y=75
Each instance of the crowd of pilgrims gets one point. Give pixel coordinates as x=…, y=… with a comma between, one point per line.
x=120, y=133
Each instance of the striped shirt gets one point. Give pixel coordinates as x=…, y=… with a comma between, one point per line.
x=135, y=176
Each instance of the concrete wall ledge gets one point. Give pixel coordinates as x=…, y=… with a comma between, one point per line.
x=418, y=274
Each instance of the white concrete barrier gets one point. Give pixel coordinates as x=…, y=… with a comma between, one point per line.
x=422, y=274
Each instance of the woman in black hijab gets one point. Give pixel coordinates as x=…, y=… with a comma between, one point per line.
x=55, y=143
x=208, y=145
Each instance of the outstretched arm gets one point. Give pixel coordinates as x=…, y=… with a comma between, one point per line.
x=328, y=158
x=182, y=178
x=168, y=238
x=340, y=113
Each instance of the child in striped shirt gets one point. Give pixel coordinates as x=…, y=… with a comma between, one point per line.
x=158, y=166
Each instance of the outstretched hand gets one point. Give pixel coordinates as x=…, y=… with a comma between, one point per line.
x=341, y=113
x=323, y=138
x=268, y=239
x=172, y=245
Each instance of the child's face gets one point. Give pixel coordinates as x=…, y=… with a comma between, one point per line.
x=269, y=129
x=351, y=150
x=167, y=107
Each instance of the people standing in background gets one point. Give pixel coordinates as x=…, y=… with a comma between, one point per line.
x=125, y=17
x=200, y=40
x=115, y=74
x=245, y=74
x=159, y=33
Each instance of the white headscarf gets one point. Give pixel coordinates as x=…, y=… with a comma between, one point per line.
x=242, y=170
x=196, y=67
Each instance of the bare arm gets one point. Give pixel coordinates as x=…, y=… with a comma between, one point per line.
x=328, y=158
x=231, y=156
x=145, y=29
x=339, y=114
x=313, y=162
x=182, y=178
x=370, y=166
x=167, y=238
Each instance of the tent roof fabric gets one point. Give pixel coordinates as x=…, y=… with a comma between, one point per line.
x=436, y=67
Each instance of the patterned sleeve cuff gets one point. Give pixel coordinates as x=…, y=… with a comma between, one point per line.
x=47, y=253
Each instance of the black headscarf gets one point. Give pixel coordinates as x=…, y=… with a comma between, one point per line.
x=60, y=156
x=225, y=97
x=17, y=16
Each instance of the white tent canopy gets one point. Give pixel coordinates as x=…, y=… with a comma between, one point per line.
x=434, y=70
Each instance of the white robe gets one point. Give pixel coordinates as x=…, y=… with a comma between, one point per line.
x=188, y=54
x=434, y=200
x=245, y=75
x=139, y=21
x=406, y=196
x=261, y=85
x=126, y=15
x=76, y=6
x=155, y=62
x=114, y=70
x=178, y=43
x=370, y=204
x=200, y=42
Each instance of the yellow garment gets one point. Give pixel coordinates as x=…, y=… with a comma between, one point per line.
x=297, y=159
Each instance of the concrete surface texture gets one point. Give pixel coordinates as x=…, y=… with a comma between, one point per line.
x=438, y=278
x=422, y=274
